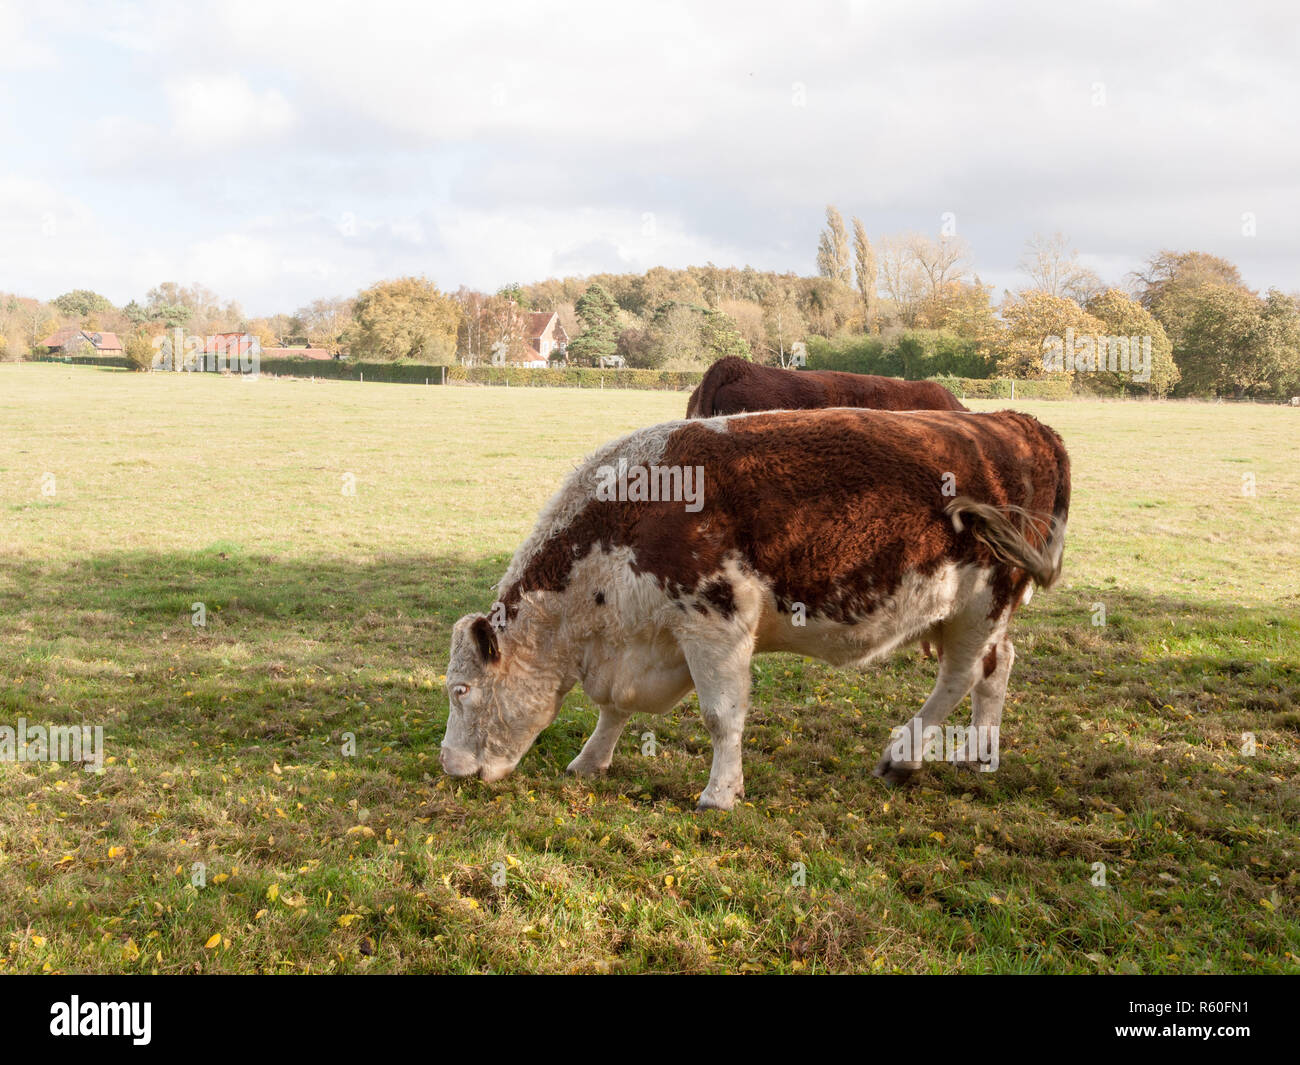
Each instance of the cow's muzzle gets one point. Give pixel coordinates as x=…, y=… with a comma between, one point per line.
x=457, y=763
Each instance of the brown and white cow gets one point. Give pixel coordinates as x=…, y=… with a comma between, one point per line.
x=841, y=534
x=735, y=386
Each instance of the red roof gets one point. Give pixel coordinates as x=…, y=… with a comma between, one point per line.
x=229, y=343
x=60, y=337
x=98, y=340
x=537, y=323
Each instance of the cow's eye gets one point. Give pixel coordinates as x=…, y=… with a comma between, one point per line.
x=460, y=690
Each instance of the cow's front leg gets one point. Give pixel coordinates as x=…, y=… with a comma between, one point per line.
x=598, y=751
x=722, y=681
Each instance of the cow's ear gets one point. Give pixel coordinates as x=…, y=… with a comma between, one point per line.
x=485, y=639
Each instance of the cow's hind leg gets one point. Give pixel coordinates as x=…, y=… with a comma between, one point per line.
x=965, y=639
x=987, y=699
x=721, y=673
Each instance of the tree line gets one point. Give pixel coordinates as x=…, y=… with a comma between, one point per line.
x=907, y=305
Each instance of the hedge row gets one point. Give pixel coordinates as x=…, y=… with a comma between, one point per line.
x=1005, y=388
x=576, y=377
x=407, y=373
x=582, y=377
x=520, y=376
x=85, y=360
x=572, y=377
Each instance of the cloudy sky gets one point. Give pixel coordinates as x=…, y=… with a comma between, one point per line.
x=278, y=152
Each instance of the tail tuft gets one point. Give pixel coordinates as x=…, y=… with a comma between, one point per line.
x=1036, y=552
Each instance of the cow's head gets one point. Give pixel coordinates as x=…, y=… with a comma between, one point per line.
x=501, y=697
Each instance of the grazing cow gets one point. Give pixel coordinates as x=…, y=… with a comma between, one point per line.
x=735, y=386
x=674, y=554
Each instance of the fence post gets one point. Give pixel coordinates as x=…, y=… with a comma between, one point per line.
x=1013, y=388
x=363, y=376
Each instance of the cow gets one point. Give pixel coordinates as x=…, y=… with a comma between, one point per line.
x=674, y=554
x=735, y=386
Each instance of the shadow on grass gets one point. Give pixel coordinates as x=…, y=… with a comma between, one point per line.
x=1120, y=748
x=289, y=645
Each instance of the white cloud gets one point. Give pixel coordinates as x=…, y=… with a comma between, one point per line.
x=487, y=144
x=18, y=50
x=222, y=110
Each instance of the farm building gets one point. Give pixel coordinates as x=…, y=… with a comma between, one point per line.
x=82, y=342
x=545, y=335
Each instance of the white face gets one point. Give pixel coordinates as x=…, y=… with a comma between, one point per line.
x=498, y=706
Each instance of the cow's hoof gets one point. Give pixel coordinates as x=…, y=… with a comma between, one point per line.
x=719, y=800
x=579, y=768
x=891, y=772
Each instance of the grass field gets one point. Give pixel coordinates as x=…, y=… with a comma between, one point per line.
x=328, y=614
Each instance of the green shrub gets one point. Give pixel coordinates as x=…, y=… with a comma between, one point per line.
x=916, y=354
x=1004, y=387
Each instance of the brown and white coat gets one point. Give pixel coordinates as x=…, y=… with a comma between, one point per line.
x=842, y=534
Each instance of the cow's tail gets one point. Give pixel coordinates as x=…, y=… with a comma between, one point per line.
x=1039, y=553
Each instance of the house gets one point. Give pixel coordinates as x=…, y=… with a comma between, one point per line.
x=545, y=335
x=82, y=342
x=229, y=350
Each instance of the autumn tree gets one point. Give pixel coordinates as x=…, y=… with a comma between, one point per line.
x=865, y=260
x=505, y=329
x=1128, y=322
x=1171, y=286
x=638, y=350
x=783, y=325
x=902, y=278
x=720, y=337
x=660, y=285
x=675, y=333
x=81, y=303
x=323, y=322
x=139, y=350
x=833, y=249
x=1235, y=343
x=1054, y=267
x=1033, y=320
x=747, y=315
x=962, y=308
x=939, y=261
x=194, y=306
x=407, y=318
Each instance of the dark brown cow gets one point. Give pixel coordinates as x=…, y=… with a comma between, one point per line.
x=734, y=386
x=673, y=555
